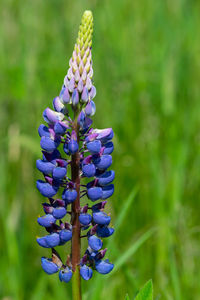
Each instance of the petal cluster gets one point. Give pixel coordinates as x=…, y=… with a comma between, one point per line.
x=59, y=142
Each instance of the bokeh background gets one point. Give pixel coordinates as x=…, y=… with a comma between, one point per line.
x=146, y=57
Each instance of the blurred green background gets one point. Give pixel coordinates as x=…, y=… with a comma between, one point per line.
x=147, y=75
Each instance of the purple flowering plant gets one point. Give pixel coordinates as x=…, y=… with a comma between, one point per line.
x=75, y=165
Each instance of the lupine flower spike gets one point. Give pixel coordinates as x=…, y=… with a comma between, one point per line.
x=82, y=171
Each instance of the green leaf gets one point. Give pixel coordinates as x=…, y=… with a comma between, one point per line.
x=127, y=297
x=146, y=293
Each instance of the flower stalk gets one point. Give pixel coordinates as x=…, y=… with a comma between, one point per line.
x=87, y=160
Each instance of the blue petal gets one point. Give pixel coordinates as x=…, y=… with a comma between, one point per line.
x=86, y=272
x=42, y=242
x=69, y=195
x=52, y=240
x=48, y=144
x=109, y=147
x=104, y=267
x=44, y=166
x=46, y=220
x=106, y=178
x=107, y=191
x=101, y=218
x=46, y=189
x=43, y=131
x=59, y=212
x=85, y=219
x=73, y=146
x=59, y=173
x=65, y=235
x=48, y=266
x=104, y=231
x=89, y=170
x=94, y=146
x=95, y=243
x=103, y=162
x=94, y=193
x=65, y=275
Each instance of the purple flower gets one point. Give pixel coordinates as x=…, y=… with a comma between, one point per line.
x=72, y=153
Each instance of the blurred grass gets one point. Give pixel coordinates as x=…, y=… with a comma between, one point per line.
x=147, y=74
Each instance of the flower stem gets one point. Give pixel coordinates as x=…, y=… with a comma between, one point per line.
x=76, y=285
x=76, y=241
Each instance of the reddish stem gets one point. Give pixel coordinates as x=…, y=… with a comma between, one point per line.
x=76, y=241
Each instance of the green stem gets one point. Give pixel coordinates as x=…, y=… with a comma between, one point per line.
x=76, y=285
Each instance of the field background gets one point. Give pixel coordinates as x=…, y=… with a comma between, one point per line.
x=146, y=57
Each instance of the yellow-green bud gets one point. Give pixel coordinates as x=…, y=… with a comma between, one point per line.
x=84, y=39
